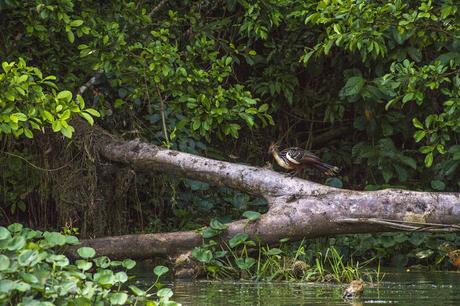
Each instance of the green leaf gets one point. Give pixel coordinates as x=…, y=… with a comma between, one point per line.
x=6, y=286
x=441, y=149
x=228, y=60
x=4, y=233
x=196, y=124
x=165, y=293
x=306, y=57
x=47, y=115
x=28, y=257
x=102, y=262
x=419, y=135
x=209, y=232
x=56, y=126
x=15, y=227
x=16, y=243
x=251, y=215
x=67, y=131
x=408, y=97
x=29, y=278
x=64, y=95
x=92, y=112
x=245, y=263
x=118, y=298
x=87, y=117
x=263, y=108
x=137, y=291
x=28, y=133
x=408, y=161
x=160, y=270
x=86, y=252
x=4, y=262
x=238, y=239
x=353, y=86
x=23, y=78
x=71, y=240
x=6, y=67
x=426, y=149
x=456, y=156
x=415, y=54
x=58, y=260
x=217, y=225
x=115, y=263
x=22, y=287
x=121, y=277
x=128, y=264
x=417, y=123
x=104, y=278
x=387, y=175
x=273, y=251
x=83, y=264
x=81, y=101
x=54, y=238
x=16, y=117
x=76, y=23
x=202, y=255
x=438, y=185
x=70, y=36
x=429, y=160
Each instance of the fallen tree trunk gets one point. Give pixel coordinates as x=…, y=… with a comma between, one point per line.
x=297, y=208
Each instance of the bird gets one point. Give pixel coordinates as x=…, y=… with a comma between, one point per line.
x=295, y=159
x=354, y=290
x=454, y=257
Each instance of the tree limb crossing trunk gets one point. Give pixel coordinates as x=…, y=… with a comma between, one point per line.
x=297, y=208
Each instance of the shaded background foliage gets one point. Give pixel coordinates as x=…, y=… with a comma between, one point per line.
x=371, y=86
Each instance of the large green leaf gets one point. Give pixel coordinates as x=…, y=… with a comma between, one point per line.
x=238, y=239
x=86, y=252
x=353, y=86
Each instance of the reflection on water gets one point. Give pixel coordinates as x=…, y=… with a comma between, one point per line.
x=412, y=288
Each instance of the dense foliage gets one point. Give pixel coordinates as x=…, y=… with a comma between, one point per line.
x=372, y=86
x=32, y=272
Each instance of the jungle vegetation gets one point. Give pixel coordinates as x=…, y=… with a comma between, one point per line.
x=371, y=86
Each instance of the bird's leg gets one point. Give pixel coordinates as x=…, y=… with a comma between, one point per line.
x=293, y=173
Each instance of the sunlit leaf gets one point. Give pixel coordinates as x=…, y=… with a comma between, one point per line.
x=86, y=252
x=160, y=270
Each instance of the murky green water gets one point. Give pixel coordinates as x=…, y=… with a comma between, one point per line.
x=405, y=288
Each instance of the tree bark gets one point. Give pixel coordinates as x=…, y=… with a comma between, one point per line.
x=297, y=208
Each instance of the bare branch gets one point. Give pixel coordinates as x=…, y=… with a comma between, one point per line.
x=157, y=7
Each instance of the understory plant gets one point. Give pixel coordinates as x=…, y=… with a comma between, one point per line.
x=34, y=272
x=242, y=257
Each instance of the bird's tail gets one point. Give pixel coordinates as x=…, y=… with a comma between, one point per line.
x=328, y=170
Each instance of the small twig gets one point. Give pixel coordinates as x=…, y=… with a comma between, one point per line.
x=149, y=104
x=404, y=225
x=163, y=117
x=37, y=167
x=157, y=8
x=424, y=223
x=94, y=79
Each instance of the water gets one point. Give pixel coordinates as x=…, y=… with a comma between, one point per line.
x=402, y=288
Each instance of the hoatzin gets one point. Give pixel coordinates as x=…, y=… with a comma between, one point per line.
x=295, y=159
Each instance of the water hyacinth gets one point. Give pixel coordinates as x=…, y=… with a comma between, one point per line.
x=32, y=272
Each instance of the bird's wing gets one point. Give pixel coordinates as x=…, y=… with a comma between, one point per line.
x=310, y=157
x=292, y=155
x=298, y=155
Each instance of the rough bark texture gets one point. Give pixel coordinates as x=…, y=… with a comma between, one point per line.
x=297, y=208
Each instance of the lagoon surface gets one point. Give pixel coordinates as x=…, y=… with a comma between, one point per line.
x=402, y=288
